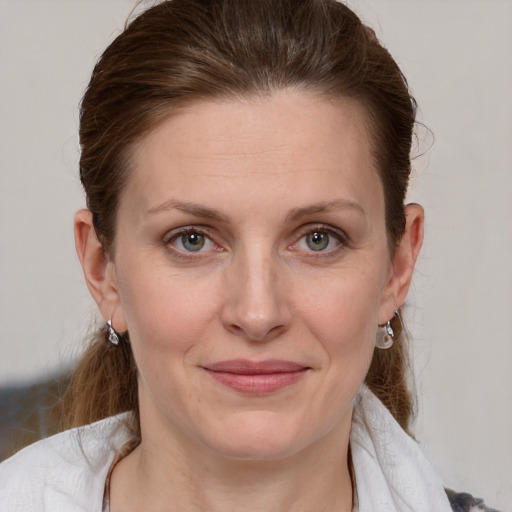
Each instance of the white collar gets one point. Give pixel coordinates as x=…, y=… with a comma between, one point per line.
x=392, y=474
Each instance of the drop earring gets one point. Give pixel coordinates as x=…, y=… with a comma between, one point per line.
x=385, y=336
x=112, y=335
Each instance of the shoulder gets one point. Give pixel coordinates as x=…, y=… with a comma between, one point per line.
x=65, y=472
x=464, y=502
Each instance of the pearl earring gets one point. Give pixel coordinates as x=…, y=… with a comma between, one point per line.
x=384, y=338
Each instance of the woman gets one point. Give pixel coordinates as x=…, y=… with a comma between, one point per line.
x=246, y=241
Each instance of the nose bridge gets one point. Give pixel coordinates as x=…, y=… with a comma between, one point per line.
x=255, y=308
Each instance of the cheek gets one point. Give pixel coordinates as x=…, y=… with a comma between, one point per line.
x=168, y=319
x=343, y=315
x=166, y=312
x=345, y=309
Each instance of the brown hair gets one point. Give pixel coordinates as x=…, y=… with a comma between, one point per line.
x=180, y=51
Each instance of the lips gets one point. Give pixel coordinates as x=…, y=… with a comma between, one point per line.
x=256, y=377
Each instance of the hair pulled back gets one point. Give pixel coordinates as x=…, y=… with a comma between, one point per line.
x=181, y=51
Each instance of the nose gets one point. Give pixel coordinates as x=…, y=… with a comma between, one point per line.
x=256, y=307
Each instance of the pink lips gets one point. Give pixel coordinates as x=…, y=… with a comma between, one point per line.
x=256, y=377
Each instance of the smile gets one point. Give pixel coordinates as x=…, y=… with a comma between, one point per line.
x=256, y=377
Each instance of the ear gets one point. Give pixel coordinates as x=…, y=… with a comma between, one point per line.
x=403, y=263
x=99, y=270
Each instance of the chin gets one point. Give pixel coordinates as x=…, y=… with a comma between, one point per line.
x=259, y=436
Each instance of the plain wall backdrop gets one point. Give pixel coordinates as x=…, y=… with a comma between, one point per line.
x=457, y=57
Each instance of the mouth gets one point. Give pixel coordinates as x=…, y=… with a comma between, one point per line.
x=256, y=377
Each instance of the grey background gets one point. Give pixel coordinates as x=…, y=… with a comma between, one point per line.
x=457, y=56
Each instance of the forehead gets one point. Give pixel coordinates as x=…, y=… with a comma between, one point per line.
x=293, y=142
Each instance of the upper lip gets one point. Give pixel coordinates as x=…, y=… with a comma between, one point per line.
x=248, y=367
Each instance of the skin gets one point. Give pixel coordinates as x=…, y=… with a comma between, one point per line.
x=253, y=179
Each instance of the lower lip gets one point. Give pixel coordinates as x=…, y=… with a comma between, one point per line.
x=257, y=384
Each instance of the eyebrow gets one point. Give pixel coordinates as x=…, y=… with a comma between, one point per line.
x=193, y=208
x=296, y=213
x=326, y=207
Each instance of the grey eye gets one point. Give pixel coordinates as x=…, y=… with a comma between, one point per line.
x=317, y=241
x=192, y=241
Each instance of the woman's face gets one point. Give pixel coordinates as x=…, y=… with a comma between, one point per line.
x=251, y=271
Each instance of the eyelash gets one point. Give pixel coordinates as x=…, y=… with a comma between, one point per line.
x=339, y=235
x=175, y=235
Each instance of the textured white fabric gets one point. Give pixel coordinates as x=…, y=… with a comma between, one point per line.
x=67, y=472
x=64, y=473
x=391, y=472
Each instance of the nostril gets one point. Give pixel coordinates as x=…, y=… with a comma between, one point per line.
x=256, y=334
x=234, y=329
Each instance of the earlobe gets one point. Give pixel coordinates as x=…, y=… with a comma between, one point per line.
x=404, y=261
x=99, y=271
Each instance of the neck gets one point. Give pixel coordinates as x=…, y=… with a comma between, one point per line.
x=164, y=477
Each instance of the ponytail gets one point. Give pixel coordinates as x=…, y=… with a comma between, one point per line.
x=103, y=384
x=388, y=376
